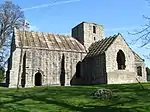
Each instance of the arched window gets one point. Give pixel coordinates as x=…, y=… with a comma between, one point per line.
x=94, y=29
x=121, y=60
x=94, y=38
x=78, y=70
x=139, y=71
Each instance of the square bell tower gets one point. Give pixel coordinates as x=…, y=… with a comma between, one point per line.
x=88, y=33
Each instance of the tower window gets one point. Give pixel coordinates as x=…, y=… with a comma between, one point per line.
x=94, y=29
x=94, y=38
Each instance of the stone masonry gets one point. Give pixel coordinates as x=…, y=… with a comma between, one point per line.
x=85, y=58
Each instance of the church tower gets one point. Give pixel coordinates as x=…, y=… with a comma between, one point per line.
x=88, y=33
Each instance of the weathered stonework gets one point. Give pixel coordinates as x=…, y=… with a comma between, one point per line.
x=48, y=63
x=120, y=76
x=142, y=78
x=84, y=33
x=100, y=64
x=85, y=58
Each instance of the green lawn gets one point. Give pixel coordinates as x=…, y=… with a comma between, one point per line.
x=129, y=98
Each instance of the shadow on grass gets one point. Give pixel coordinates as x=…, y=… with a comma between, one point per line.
x=129, y=98
x=71, y=107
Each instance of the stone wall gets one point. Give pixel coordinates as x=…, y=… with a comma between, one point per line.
x=48, y=63
x=89, y=36
x=84, y=33
x=142, y=78
x=94, y=71
x=78, y=33
x=14, y=68
x=120, y=76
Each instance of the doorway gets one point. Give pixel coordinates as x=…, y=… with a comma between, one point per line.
x=38, y=79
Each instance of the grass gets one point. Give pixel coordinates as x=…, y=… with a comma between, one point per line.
x=129, y=98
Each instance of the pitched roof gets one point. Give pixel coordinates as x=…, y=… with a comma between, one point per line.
x=47, y=41
x=101, y=46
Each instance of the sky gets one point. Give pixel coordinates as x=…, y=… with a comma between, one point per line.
x=117, y=16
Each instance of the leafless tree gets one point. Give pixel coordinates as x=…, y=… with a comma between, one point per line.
x=11, y=16
x=143, y=34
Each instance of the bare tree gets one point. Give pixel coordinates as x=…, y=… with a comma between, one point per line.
x=11, y=16
x=143, y=34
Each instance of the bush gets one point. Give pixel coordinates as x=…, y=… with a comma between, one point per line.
x=102, y=93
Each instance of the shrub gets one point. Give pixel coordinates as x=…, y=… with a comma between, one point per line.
x=102, y=93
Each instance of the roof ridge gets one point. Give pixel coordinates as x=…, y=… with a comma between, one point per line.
x=15, y=30
x=48, y=40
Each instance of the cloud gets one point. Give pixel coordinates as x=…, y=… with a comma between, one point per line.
x=51, y=4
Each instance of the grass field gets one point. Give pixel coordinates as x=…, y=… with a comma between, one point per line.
x=129, y=98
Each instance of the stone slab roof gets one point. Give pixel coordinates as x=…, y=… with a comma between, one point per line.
x=47, y=41
x=101, y=46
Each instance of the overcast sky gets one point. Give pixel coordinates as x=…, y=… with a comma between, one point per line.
x=116, y=16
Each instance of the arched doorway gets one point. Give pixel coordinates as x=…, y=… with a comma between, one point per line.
x=38, y=79
x=121, y=60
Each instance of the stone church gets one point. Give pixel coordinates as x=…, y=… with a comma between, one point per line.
x=84, y=58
